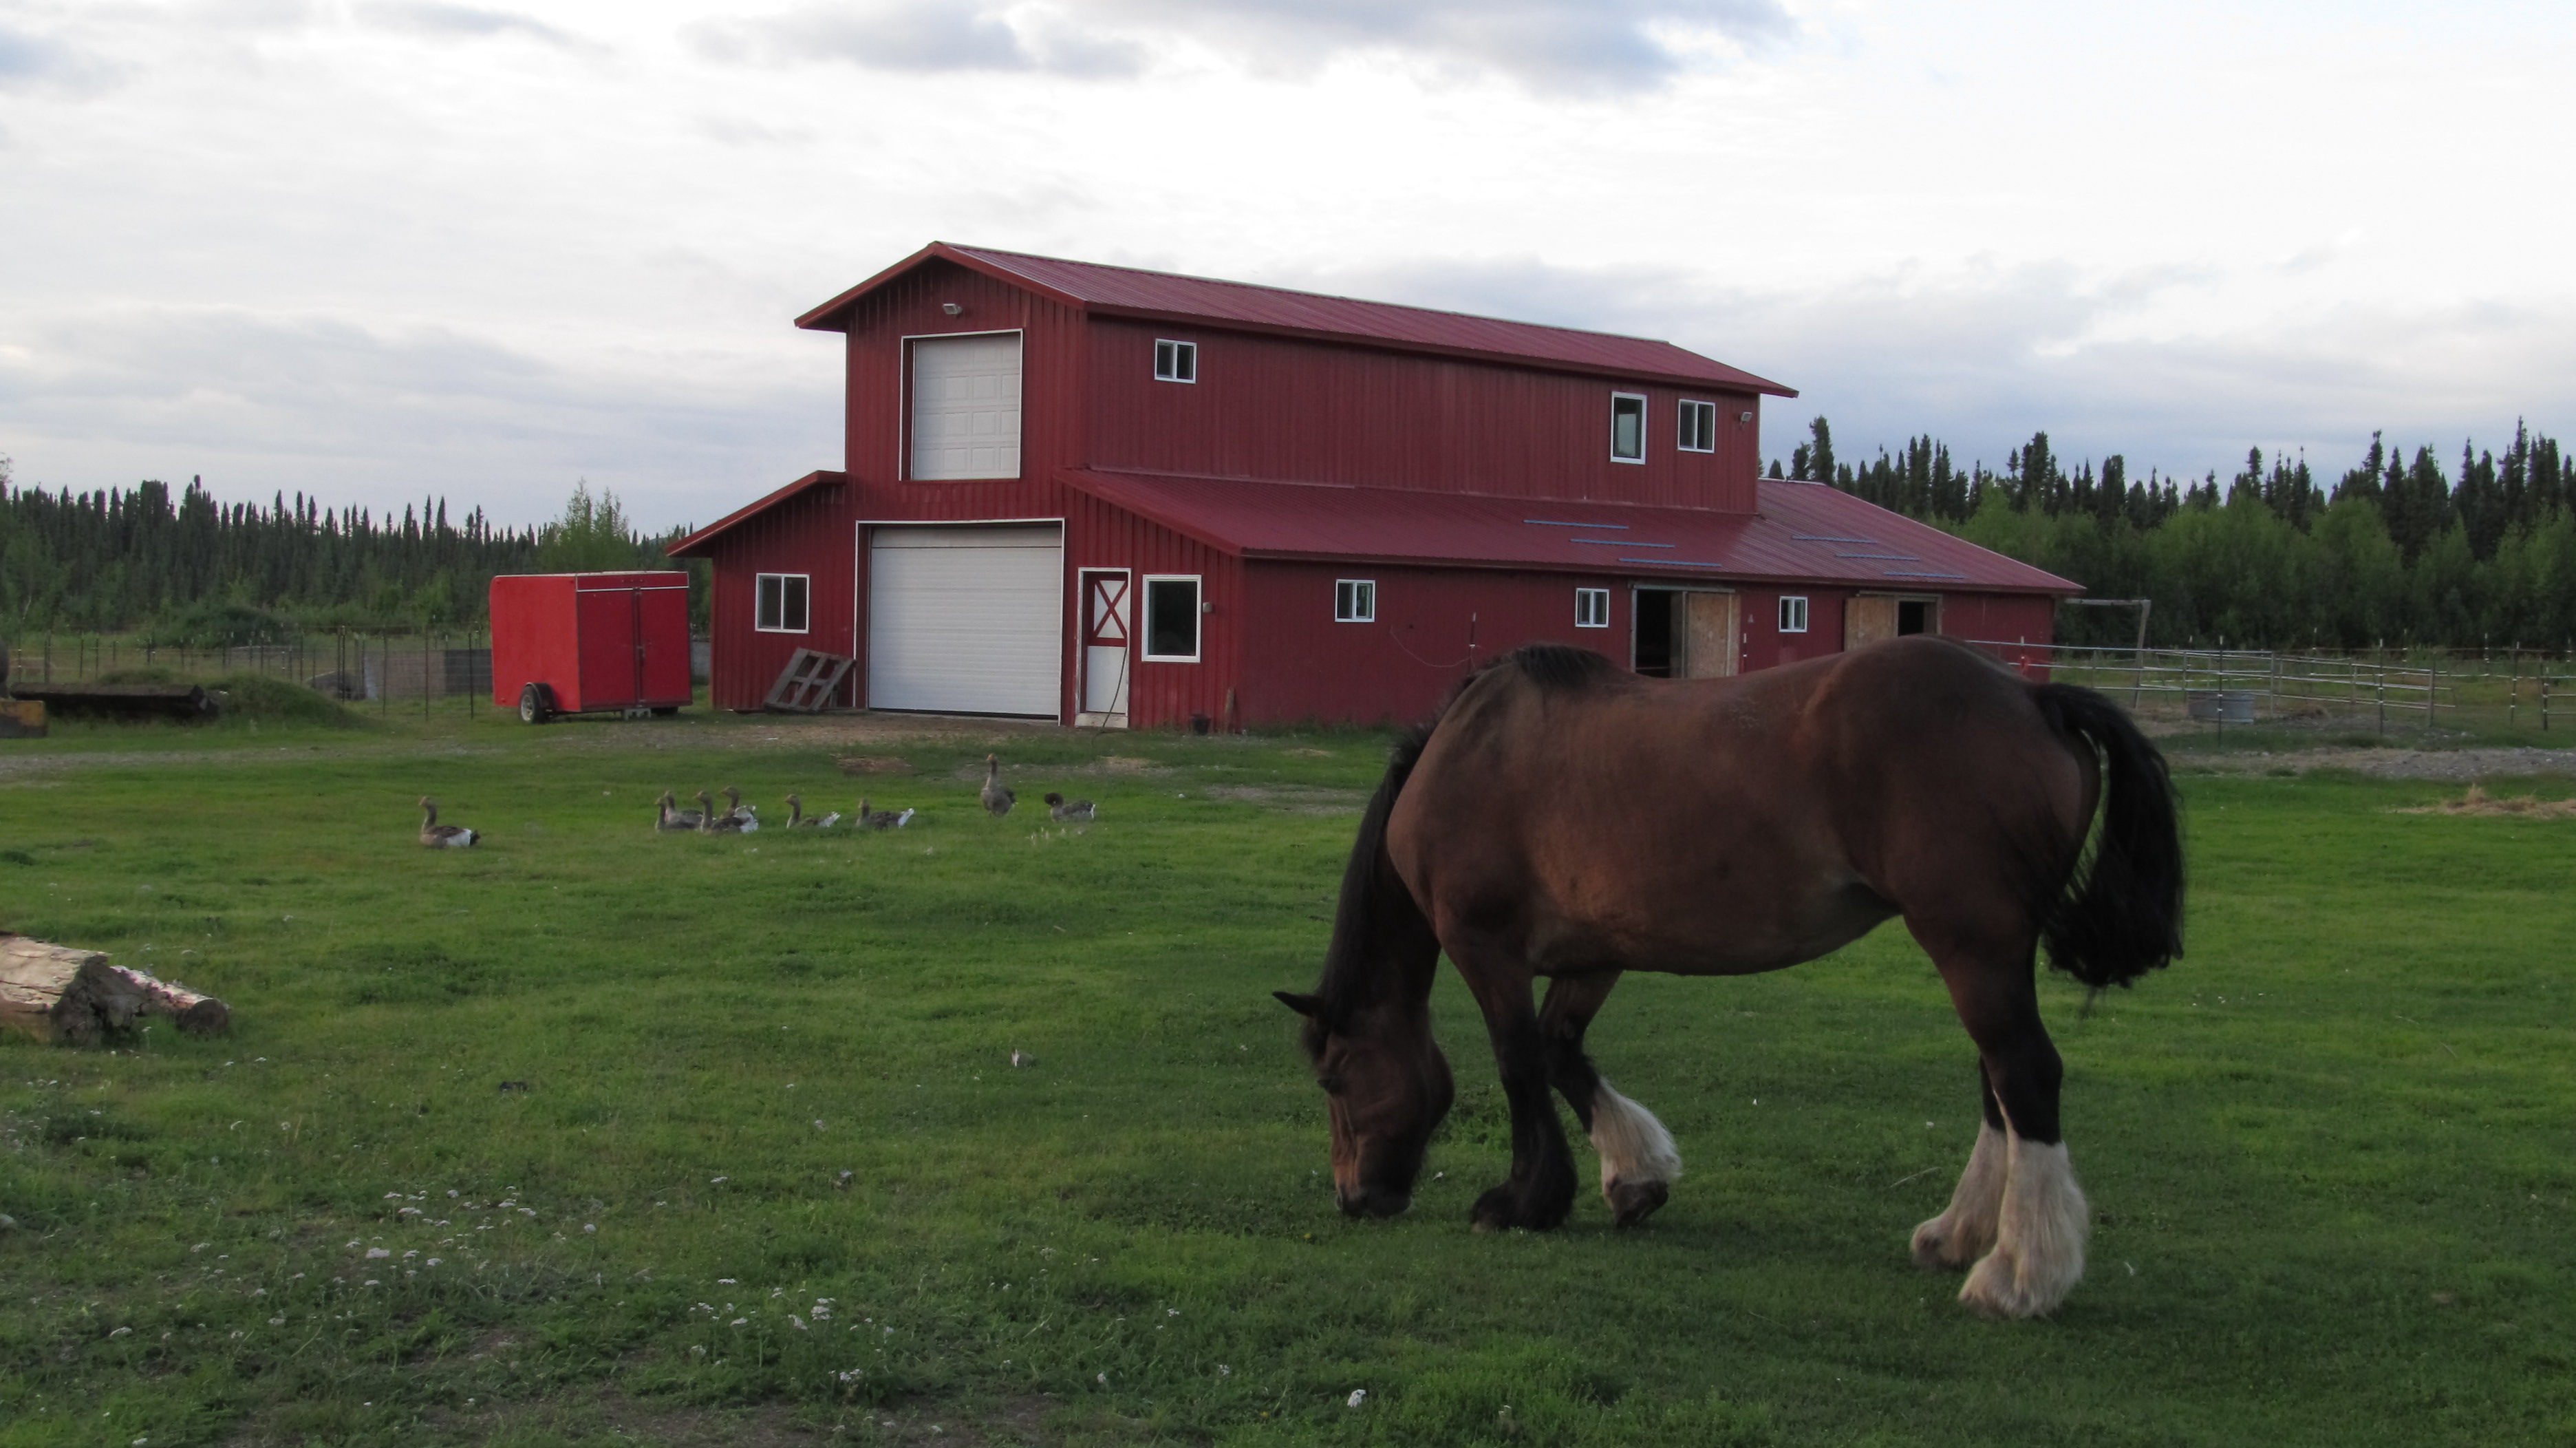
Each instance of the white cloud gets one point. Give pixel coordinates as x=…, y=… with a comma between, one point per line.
x=345, y=410
x=1556, y=45
x=423, y=17
x=30, y=58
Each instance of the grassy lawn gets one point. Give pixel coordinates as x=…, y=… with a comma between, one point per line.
x=592, y=1134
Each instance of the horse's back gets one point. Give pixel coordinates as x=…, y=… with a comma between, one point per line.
x=1725, y=824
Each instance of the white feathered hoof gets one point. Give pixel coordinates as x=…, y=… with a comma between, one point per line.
x=2039, y=1246
x=1633, y=1202
x=1966, y=1230
x=1940, y=1245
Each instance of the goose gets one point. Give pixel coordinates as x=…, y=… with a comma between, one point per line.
x=796, y=816
x=998, y=797
x=1078, y=811
x=442, y=837
x=745, y=817
x=673, y=818
x=882, y=819
x=711, y=823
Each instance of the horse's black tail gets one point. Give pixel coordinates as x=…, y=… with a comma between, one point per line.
x=1377, y=913
x=2121, y=916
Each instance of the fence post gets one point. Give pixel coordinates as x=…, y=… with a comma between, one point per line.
x=2381, y=680
x=2544, y=699
x=2432, y=688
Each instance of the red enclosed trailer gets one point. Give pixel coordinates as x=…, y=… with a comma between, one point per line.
x=572, y=643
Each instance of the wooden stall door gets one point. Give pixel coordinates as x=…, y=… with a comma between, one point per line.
x=1710, y=647
x=1866, y=620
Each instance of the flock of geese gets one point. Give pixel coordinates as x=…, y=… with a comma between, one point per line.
x=743, y=819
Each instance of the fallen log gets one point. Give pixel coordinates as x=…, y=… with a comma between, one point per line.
x=57, y=993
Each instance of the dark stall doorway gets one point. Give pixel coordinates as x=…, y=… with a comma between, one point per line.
x=1654, y=623
x=1918, y=615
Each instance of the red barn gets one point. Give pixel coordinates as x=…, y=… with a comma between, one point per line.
x=1108, y=496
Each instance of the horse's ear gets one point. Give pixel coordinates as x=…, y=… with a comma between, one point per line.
x=1304, y=1005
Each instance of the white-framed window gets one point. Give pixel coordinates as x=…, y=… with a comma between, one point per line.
x=781, y=602
x=1698, y=427
x=1176, y=361
x=1355, y=600
x=1591, y=608
x=1172, y=609
x=1793, y=613
x=1627, y=427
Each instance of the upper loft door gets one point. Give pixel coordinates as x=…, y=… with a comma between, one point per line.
x=966, y=406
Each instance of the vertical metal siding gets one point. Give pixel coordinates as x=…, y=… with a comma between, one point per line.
x=1434, y=626
x=1160, y=695
x=1275, y=408
x=806, y=534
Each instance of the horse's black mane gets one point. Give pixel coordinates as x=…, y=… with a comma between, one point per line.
x=1353, y=973
x=1557, y=668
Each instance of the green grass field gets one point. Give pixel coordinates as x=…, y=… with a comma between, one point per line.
x=2332, y=1153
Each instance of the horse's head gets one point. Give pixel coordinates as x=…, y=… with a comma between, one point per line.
x=1386, y=1086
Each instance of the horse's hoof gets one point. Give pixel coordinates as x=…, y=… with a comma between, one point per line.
x=1500, y=1210
x=1939, y=1247
x=1634, y=1202
x=2000, y=1288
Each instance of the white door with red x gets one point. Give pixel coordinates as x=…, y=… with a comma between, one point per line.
x=1105, y=611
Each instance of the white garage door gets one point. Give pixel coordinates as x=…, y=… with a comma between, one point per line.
x=966, y=407
x=966, y=620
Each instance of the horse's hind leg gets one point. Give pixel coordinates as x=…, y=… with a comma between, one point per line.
x=1638, y=1161
x=1966, y=1230
x=2038, y=1215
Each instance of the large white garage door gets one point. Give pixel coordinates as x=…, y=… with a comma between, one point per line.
x=966, y=620
x=966, y=407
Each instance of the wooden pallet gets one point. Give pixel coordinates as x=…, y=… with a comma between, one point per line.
x=809, y=682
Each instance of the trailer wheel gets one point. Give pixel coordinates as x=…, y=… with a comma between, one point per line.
x=536, y=704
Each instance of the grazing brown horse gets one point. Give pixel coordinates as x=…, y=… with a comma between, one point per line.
x=1563, y=818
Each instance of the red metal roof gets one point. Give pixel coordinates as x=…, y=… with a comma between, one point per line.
x=1129, y=292
x=1805, y=532
x=691, y=546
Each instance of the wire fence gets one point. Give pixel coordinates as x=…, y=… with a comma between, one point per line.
x=2467, y=690
x=353, y=667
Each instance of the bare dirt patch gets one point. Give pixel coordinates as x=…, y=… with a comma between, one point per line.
x=2453, y=764
x=2479, y=802
x=1291, y=798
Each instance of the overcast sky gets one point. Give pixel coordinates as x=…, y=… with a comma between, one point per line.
x=376, y=249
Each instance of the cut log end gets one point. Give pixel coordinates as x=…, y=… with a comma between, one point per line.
x=75, y=997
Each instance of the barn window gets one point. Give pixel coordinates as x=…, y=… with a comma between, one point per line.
x=1172, y=608
x=1793, y=613
x=1591, y=608
x=1176, y=361
x=1355, y=600
x=782, y=598
x=1698, y=427
x=1627, y=427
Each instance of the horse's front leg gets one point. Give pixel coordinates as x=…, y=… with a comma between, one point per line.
x=1638, y=1161
x=1540, y=1191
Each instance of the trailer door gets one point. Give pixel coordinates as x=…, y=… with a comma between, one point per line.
x=662, y=644
x=607, y=617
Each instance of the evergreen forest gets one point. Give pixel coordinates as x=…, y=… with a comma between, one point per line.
x=189, y=570
x=2397, y=551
